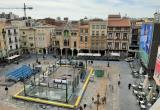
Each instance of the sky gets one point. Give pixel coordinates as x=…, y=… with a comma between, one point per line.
x=77, y=9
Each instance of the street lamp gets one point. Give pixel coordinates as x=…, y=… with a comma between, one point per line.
x=108, y=56
x=98, y=102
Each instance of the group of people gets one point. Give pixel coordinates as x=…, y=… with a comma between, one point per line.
x=102, y=101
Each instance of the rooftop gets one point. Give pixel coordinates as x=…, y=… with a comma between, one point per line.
x=119, y=22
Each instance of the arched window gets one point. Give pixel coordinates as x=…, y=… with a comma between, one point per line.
x=66, y=33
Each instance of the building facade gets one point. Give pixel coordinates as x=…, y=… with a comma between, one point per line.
x=84, y=39
x=134, y=42
x=9, y=16
x=98, y=33
x=36, y=39
x=2, y=42
x=27, y=38
x=12, y=38
x=119, y=34
x=65, y=39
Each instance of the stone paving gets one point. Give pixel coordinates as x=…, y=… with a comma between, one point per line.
x=118, y=97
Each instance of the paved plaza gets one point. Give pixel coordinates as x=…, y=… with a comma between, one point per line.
x=118, y=97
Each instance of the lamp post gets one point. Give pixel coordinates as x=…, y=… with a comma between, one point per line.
x=98, y=102
x=108, y=56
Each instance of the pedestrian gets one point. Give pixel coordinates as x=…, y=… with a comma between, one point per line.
x=129, y=86
x=119, y=83
x=80, y=108
x=92, y=99
x=112, y=87
x=104, y=100
x=85, y=105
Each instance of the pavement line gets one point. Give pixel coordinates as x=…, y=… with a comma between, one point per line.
x=83, y=88
x=54, y=102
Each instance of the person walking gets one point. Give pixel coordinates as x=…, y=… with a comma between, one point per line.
x=80, y=108
x=119, y=83
x=104, y=100
x=129, y=86
x=84, y=106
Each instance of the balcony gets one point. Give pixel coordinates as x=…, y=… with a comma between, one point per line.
x=117, y=38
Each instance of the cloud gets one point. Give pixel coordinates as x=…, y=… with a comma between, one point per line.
x=76, y=9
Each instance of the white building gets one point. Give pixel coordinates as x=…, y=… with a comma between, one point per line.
x=9, y=16
x=12, y=41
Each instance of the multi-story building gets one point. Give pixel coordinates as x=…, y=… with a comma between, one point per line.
x=12, y=41
x=157, y=17
x=27, y=38
x=134, y=42
x=65, y=38
x=119, y=34
x=36, y=39
x=98, y=33
x=43, y=38
x=9, y=16
x=84, y=39
x=2, y=41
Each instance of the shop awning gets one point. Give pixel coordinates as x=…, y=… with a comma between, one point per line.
x=13, y=57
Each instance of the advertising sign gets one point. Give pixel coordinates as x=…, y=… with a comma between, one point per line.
x=157, y=66
x=145, y=42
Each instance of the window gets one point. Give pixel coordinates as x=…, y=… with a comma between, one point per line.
x=9, y=32
x=93, y=33
x=15, y=39
x=25, y=43
x=75, y=44
x=31, y=44
x=110, y=35
x=65, y=42
x=118, y=28
x=10, y=47
x=93, y=26
x=117, y=35
x=23, y=32
x=126, y=28
x=16, y=46
x=86, y=38
x=117, y=45
x=124, y=36
x=57, y=43
x=30, y=38
x=97, y=33
x=10, y=41
x=81, y=38
x=110, y=28
x=103, y=26
x=81, y=30
x=97, y=26
x=86, y=30
x=73, y=34
x=58, y=33
x=102, y=33
x=124, y=45
x=15, y=31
